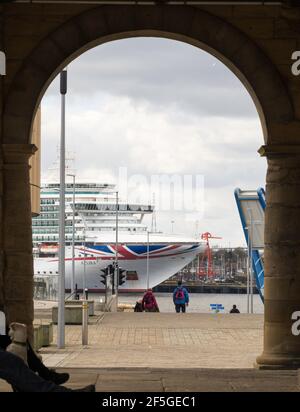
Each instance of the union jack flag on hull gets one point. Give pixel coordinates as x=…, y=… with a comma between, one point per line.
x=165, y=259
x=132, y=252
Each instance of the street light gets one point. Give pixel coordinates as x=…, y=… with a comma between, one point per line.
x=84, y=267
x=116, y=259
x=148, y=259
x=61, y=296
x=73, y=237
x=250, y=264
x=148, y=252
x=116, y=282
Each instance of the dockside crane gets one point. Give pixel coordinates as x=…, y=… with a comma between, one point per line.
x=205, y=265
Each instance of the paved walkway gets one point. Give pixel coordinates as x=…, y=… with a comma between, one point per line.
x=180, y=380
x=133, y=352
x=162, y=339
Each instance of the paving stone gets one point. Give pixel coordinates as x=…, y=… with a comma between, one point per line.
x=199, y=340
x=197, y=352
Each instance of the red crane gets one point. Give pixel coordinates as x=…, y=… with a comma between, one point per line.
x=205, y=265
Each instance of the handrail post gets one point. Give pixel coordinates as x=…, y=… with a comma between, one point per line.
x=85, y=317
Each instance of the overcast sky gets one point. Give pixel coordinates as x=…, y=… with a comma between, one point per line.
x=156, y=109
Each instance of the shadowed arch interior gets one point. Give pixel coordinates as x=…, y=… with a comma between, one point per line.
x=106, y=23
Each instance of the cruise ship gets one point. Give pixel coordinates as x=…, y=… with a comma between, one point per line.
x=149, y=258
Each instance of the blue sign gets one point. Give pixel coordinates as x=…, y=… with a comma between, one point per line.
x=216, y=306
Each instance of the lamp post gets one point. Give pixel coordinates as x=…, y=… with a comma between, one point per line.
x=250, y=264
x=61, y=296
x=148, y=257
x=248, y=269
x=84, y=267
x=73, y=238
x=148, y=233
x=117, y=247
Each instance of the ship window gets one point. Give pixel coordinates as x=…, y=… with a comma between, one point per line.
x=131, y=275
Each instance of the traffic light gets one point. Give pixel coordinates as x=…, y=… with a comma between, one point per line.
x=121, y=276
x=104, y=276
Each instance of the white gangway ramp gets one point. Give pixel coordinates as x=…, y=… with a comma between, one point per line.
x=251, y=206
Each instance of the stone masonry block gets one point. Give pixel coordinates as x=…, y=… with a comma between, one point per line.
x=255, y=27
x=18, y=288
x=73, y=315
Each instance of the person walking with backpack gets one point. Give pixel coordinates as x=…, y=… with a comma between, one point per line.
x=180, y=298
x=149, y=303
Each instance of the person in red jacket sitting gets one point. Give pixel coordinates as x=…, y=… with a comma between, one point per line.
x=149, y=303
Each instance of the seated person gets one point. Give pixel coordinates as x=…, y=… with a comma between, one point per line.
x=138, y=306
x=19, y=362
x=14, y=371
x=234, y=309
x=35, y=364
x=149, y=303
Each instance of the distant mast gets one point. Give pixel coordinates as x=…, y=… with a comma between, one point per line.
x=52, y=173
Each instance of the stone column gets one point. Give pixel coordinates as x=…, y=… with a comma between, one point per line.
x=17, y=237
x=281, y=257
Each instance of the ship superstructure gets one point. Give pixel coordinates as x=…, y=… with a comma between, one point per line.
x=95, y=209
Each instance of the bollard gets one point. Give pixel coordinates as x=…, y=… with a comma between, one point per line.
x=85, y=317
x=76, y=292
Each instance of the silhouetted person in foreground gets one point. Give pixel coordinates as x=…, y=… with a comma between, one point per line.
x=35, y=364
x=234, y=309
x=180, y=298
x=14, y=371
x=35, y=377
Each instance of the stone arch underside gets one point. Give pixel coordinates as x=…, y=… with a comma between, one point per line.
x=106, y=23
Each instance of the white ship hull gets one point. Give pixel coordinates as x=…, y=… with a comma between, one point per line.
x=165, y=259
x=96, y=221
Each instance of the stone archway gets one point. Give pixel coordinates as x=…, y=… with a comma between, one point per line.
x=107, y=23
x=201, y=29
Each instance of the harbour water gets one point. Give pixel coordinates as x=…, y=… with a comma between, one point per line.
x=199, y=302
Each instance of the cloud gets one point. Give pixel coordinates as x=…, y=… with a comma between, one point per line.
x=160, y=72
x=160, y=107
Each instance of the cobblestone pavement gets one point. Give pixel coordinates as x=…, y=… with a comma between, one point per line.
x=160, y=339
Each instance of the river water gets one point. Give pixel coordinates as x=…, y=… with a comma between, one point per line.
x=199, y=302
